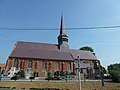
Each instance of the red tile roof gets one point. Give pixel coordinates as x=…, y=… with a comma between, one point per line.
x=47, y=51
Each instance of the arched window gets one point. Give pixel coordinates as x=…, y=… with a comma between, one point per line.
x=44, y=65
x=30, y=64
x=57, y=65
x=68, y=65
x=16, y=62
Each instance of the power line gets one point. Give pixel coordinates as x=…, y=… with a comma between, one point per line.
x=102, y=27
x=29, y=29
x=47, y=29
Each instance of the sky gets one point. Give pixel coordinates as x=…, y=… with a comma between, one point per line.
x=46, y=14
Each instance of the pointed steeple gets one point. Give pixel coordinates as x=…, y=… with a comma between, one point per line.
x=62, y=26
x=62, y=38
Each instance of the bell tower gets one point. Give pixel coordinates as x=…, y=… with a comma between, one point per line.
x=62, y=38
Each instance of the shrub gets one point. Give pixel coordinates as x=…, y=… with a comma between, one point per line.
x=115, y=76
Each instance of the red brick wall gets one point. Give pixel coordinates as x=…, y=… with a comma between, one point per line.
x=8, y=64
x=24, y=62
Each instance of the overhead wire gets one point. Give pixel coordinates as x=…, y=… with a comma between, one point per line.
x=47, y=29
x=72, y=28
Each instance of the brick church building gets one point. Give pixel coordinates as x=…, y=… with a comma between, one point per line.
x=42, y=57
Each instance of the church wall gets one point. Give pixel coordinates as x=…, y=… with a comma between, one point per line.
x=8, y=64
x=50, y=65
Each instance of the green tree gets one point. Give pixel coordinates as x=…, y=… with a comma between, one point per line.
x=114, y=71
x=103, y=69
x=87, y=48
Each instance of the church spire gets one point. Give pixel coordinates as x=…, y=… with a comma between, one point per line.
x=62, y=26
x=62, y=38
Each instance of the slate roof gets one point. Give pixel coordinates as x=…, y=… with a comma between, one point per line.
x=86, y=55
x=47, y=51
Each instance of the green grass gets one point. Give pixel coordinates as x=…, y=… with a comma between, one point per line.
x=59, y=86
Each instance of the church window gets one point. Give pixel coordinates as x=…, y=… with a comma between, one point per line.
x=68, y=65
x=30, y=64
x=16, y=62
x=43, y=64
x=57, y=65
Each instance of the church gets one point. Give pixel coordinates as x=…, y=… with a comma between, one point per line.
x=42, y=57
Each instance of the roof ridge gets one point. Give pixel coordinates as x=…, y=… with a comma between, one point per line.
x=81, y=50
x=35, y=43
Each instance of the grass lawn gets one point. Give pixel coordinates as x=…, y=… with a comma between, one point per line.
x=59, y=86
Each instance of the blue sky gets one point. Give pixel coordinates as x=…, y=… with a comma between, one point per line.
x=77, y=13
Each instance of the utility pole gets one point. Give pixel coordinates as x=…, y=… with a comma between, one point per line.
x=101, y=76
x=79, y=76
x=102, y=79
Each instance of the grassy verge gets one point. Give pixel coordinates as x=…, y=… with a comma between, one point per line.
x=60, y=86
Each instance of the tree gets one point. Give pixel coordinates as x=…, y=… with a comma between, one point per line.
x=87, y=48
x=103, y=69
x=114, y=71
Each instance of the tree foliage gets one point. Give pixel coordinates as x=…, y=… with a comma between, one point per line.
x=103, y=69
x=114, y=71
x=87, y=48
x=115, y=67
